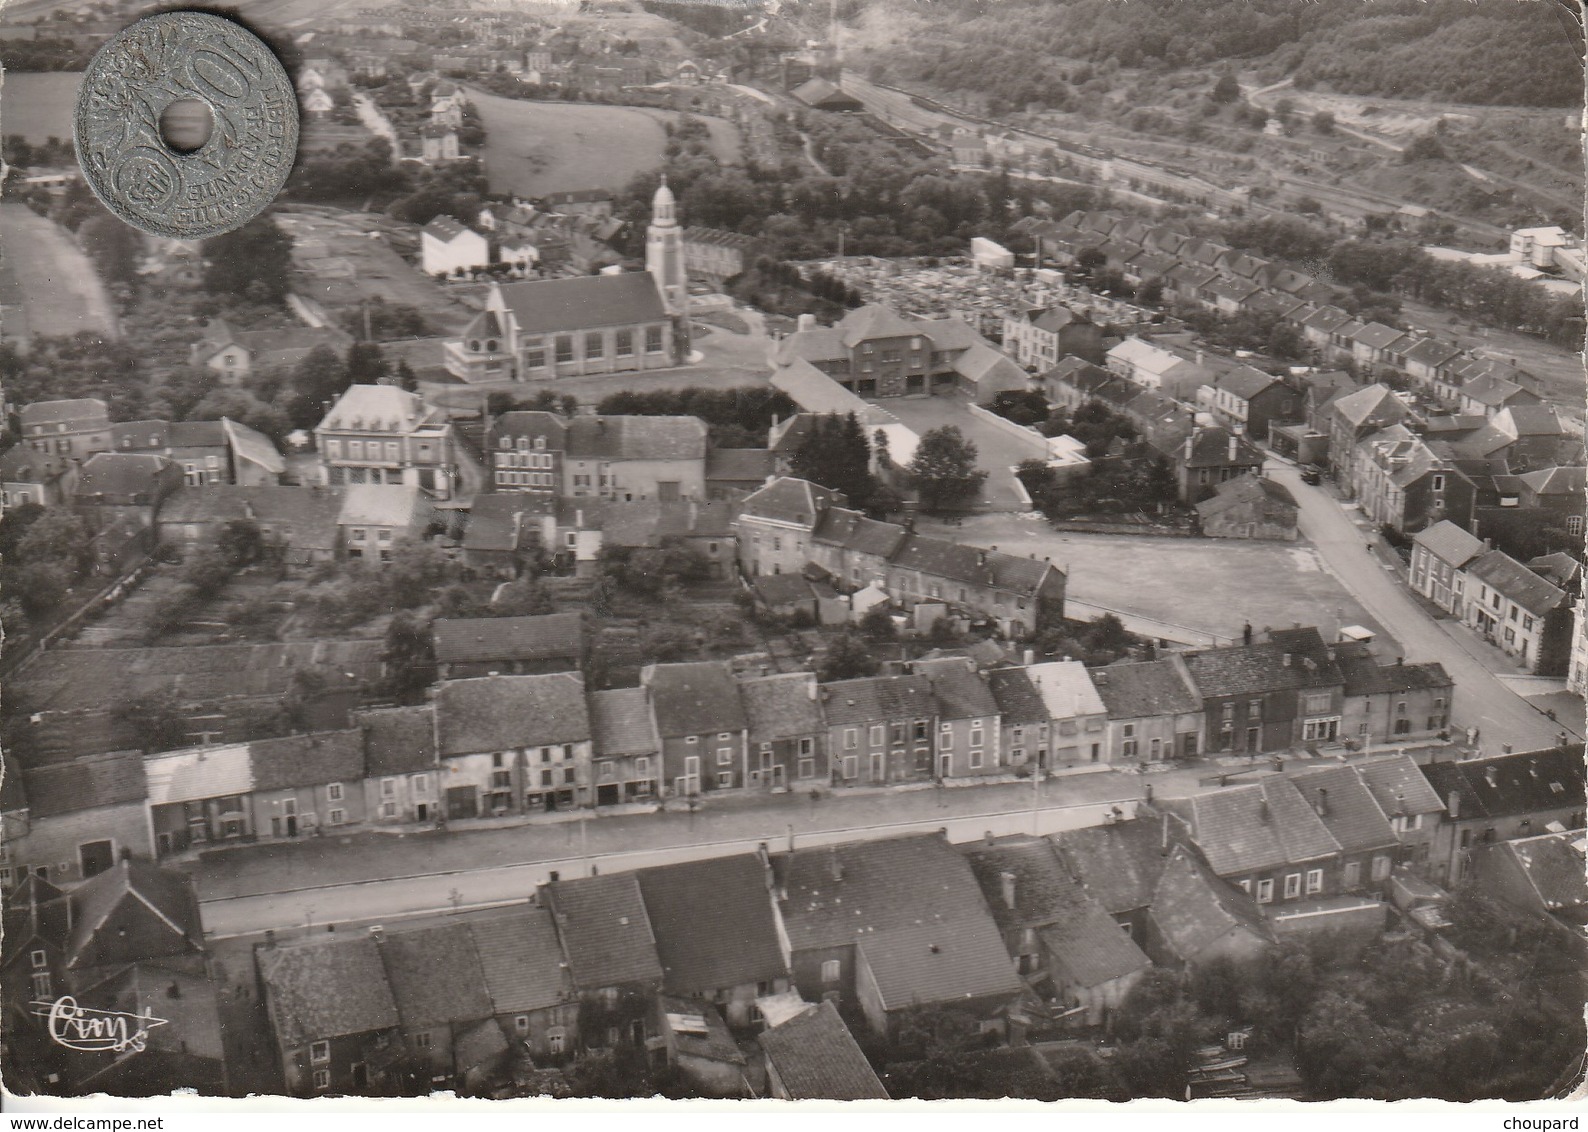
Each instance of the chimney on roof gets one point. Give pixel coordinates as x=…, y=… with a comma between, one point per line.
x=981, y=557
x=1163, y=839
x=1007, y=882
x=1453, y=804
x=1190, y=444
x=1263, y=814
x=834, y=865
x=987, y=837
x=1235, y=444
x=1323, y=803
x=553, y=877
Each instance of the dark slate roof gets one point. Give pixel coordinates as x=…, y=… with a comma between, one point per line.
x=1018, y=700
x=1554, y=864
x=1194, y=909
x=1137, y=690
x=330, y=987
x=1365, y=676
x=1449, y=543
x=1251, y=670
x=623, y=724
x=783, y=589
x=961, y=692
x=435, y=976
x=817, y=1059
x=714, y=923
x=531, y=424
x=955, y=562
x=744, y=465
x=121, y=473
x=873, y=699
x=694, y=698
x=82, y=784
x=790, y=500
x=22, y=464
x=605, y=931
x=307, y=760
x=549, y=306
x=1508, y=785
x=838, y=893
x=1089, y=949
x=634, y=437
x=854, y=531
x=1398, y=786
x=939, y=963
x=545, y=637
x=164, y=898
x=521, y=959
x=499, y=713
x=400, y=740
x=1210, y=448
x=785, y=706
x=1515, y=581
x=1117, y=864
x=1254, y=827
x=716, y=1044
x=1347, y=808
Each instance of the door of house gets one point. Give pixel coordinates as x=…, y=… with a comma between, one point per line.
x=422, y=811
x=777, y=776
x=96, y=857
x=462, y=802
x=689, y=782
x=289, y=816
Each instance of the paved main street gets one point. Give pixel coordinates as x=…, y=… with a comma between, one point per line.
x=367, y=876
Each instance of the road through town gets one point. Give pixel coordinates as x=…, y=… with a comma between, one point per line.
x=365, y=901
x=1481, y=700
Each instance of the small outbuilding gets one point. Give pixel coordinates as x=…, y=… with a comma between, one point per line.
x=1249, y=507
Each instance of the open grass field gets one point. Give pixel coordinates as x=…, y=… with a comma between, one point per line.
x=533, y=148
x=59, y=290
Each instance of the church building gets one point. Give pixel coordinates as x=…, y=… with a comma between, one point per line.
x=549, y=328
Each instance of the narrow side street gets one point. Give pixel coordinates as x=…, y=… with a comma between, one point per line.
x=1482, y=700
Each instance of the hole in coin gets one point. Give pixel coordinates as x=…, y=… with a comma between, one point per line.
x=186, y=124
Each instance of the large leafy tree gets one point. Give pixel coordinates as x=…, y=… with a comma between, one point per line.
x=836, y=454
x=943, y=469
x=250, y=263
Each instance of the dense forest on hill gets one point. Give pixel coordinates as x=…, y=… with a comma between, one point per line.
x=1491, y=52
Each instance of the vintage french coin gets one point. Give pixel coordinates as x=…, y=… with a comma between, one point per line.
x=200, y=63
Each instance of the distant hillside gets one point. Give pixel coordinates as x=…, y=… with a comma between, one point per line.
x=1488, y=52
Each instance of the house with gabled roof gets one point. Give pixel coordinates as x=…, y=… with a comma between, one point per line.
x=526, y=979
x=443, y=1009
x=1119, y=862
x=297, y=526
x=1543, y=875
x=1378, y=347
x=1392, y=703
x=1203, y=458
x=1354, y=417
x=1053, y=929
x=1073, y=382
x=84, y=814
x=446, y=245
x=30, y=476
x=968, y=721
x=717, y=932
x=775, y=525
x=1196, y=917
x=1440, y=554
x=1252, y=507
x=185, y=1053
x=1269, y=695
x=332, y=1013
x=1153, y=367
x=1431, y=362
x=1407, y=484
x=1268, y=840
x=635, y=458
x=200, y=795
x=1502, y=798
x=813, y=1056
x=76, y=427
x=1247, y=400
x=627, y=750
x=209, y=452
x=787, y=735
x=511, y=744
x=59, y=943
x=1519, y=611
x=380, y=434
x=305, y=782
x=1077, y=717
x=1153, y=711
x=879, y=729
x=1039, y=336
x=610, y=950
x=543, y=328
x=1414, y=809
x=1025, y=725
x=402, y=772
x=1369, y=844
x=509, y=646
x=701, y=721
x=889, y=924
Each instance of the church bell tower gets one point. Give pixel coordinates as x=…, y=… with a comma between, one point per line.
x=664, y=259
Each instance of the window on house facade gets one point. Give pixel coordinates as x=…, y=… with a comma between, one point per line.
x=422, y=1039
x=1314, y=881
x=724, y=756
x=563, y=344
x=623, y=343
x=594, y=344
x=807, y=768
x=725, y=779
x=877, y=735
x=1292, y=885
x=851, y=738
x=831, y=971
x=1265, y=892
x=521, y=1025
x=38, y=959
x=336, y=816
x=40, y=984
x=1381, y=867
x=388, y=787
x=320, y=1053
x=653, y=339
x=333, y=792
x=322, y=1079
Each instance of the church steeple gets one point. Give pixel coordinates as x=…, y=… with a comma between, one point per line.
x=664, y=259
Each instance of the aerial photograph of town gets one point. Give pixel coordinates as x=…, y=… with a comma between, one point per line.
x=808, y=550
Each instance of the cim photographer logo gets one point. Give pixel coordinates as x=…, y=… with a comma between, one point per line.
x=94, y=1031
